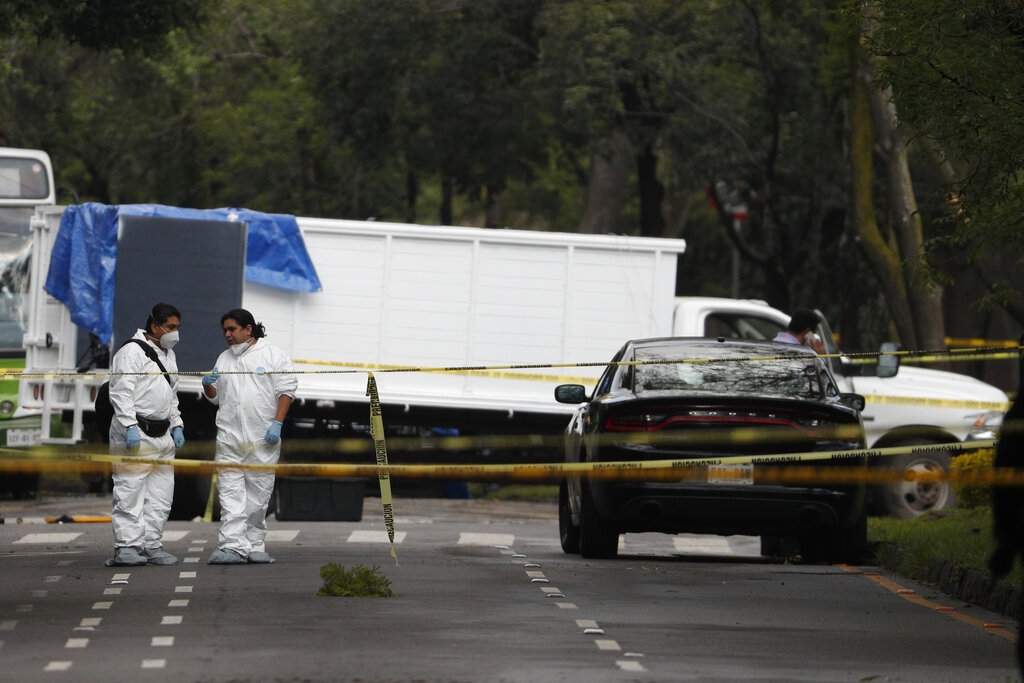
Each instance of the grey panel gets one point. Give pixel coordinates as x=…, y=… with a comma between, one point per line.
x=198, y=266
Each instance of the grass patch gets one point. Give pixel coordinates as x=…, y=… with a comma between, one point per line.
x=960, y=536
x=535, y=492
x=358, y=582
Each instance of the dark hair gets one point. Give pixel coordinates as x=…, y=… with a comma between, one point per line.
x=159, y=315
x=803, y=319
x=244, y=319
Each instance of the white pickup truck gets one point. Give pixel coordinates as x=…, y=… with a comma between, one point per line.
x=368, y=295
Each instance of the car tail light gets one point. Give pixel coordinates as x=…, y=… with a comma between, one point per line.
x=657, y=421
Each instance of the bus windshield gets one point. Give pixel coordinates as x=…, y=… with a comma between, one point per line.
x=26, y=181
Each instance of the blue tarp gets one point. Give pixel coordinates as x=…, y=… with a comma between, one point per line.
x=84, y=256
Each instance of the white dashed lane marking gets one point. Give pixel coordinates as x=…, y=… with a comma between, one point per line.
x=370, y=536
x=43, y=538
x=468, y=538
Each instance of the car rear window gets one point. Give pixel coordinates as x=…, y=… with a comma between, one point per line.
x=660, y=369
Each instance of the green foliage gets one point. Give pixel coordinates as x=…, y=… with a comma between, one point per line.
x=131, y=25
x=962, y=537
x=358, y=582
x=970, y=496
x=957, y=73
x=492, y=112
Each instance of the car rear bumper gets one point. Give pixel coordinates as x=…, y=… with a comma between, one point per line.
x=724, y=509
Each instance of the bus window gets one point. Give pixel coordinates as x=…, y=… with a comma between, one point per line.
x=26, y=181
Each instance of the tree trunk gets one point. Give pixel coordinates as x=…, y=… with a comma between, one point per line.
x=447, y=192
x=492, y=215
x=652, y=194
x=412, y=192
x=924, y=297
x=607, y=184
x=881, y=256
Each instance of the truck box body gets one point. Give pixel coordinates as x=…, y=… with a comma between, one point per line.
x=433, y=297
x=408, y=296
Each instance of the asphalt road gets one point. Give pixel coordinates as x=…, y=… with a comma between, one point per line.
x=484, y=593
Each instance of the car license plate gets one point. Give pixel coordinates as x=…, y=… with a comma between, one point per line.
x=22, y=437
x=731, y=474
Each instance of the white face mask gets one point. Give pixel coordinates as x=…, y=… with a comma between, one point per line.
x=239, y=349
x=169, y=340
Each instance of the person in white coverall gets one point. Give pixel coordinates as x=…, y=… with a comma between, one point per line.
x=146, y=423
x=253, y=385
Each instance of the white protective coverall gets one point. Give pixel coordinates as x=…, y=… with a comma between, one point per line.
x=142, y=493
x=247, y=404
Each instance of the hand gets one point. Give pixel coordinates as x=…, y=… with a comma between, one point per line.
x=133, y=438
x=178, y=434
x=273, y=434
x=211, y=378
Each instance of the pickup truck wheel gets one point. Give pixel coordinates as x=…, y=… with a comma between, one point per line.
x=568, y=532
x=909, y=499
x=598, y=539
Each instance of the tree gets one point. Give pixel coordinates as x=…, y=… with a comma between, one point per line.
x=100, y=25
x=896, y=257
x=725, y=96
x=436, y=87
x=955, y=73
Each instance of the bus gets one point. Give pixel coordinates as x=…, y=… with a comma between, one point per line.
x=26, y=181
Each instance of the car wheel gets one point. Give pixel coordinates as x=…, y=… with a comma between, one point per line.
x=598, y=539
x=910, y=498
x=568, y=533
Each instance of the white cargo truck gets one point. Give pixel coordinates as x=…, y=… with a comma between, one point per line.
x=388, y=296
x=384, y=297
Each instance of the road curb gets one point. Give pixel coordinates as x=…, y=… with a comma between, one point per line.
x=970, y=585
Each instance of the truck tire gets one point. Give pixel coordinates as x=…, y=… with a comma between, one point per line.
x=568, y=533
x=909, y=499
x=598, y=538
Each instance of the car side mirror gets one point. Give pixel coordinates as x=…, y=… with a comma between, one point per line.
x=855, y=401
x=888, y=361
x=571, y=393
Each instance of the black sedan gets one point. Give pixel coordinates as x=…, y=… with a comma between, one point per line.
x=692, y=399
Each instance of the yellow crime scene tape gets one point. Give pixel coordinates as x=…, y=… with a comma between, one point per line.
x=18, y=460
x=769, y=467
x=381, y=451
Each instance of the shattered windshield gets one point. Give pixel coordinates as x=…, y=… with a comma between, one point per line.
x=679, y=369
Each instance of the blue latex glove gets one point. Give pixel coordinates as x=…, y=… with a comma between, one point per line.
x=211, y=378
x=133, y=438
x=273, y=434
x=178, y=434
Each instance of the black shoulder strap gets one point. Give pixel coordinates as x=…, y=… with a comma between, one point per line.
x=152, y=356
